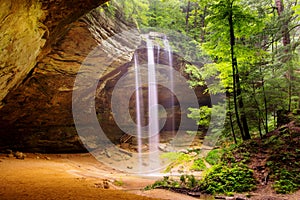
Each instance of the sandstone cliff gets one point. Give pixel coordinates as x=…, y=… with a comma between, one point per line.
x=45, y=44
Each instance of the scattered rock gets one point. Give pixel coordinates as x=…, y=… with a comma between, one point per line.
x=47, y=158
x=10, y=155
x=162, y=147
x=183, y=151
x=99, y=185
x=125, y=146
x=229, y=198
x=129, y=167
x=126, y=157
x=20, y=155
x=108, y=154
x=105, y=184
x=193, y=154
x=125, y=152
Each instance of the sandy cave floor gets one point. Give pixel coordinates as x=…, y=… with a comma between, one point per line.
x=81, y=176
x=71, y=176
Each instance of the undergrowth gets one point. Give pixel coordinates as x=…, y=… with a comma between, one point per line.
x=223, y=179
x=230, y=172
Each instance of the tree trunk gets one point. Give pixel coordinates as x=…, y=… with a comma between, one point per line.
x=236, y=83
x=234, y=71
x=230, y=118
x=241, y=106
x=258, y=110
x=265, y=102
x=286, y=41
x=187, y=17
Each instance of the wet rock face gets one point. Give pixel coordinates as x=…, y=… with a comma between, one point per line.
x=166, y=98
x=37, y=115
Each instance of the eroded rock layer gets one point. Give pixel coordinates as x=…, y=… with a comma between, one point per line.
x=37, y=115
x=28, y=29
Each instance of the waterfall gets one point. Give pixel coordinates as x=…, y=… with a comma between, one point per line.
x=150, y=161
x=153, y=132
x=139, y=99
x=169, y=57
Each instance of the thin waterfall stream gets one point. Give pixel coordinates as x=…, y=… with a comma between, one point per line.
x=139, y=99
x=153, y=108
x=153, y=133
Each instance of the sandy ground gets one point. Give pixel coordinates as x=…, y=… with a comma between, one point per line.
x=72, y=176
x=80, y=176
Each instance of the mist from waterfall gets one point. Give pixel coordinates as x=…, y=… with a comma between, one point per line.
x=150, y=161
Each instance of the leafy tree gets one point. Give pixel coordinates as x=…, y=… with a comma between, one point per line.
x=253, y=47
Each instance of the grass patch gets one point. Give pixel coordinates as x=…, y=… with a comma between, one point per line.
x=175, y=159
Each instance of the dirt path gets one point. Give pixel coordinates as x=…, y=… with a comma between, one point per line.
x=75, y=176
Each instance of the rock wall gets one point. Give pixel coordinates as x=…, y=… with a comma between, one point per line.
x=21, y=39
x=28, y=29
x=37, y=115
x=166, y=97
x=43, y=45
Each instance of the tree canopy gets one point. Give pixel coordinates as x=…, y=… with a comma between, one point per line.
x=254, y=51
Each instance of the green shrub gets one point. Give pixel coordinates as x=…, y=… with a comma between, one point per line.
x=198, y=165
x=214, y=156
x=287, y=181
x=188, y=181
x=223, y=179
x=165, y=182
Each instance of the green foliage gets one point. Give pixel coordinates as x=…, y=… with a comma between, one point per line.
x=214, y=156
x=165, y=14
x=175, y=159
x=186, y=181
x=198, y=165
x=287, y=182
x=118, y=183
x=165, y=182
x=224, y=179
x=201, y=115
x=267, y=68
x=134, y=10
x=283, y=162
x=195, y=76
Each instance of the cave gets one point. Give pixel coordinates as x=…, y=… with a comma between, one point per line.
x=40, y=59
